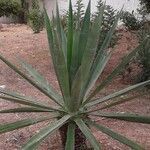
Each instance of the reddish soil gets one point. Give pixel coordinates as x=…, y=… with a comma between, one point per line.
x=19, y=41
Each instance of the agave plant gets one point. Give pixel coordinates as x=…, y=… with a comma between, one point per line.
x=77, y=69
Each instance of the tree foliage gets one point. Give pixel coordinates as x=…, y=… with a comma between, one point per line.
x=144, y=53
x=10, y=7
x=36, y=18
x=130, y=21
x=145, y=5
x=108, y=21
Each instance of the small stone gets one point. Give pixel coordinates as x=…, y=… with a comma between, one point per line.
x=2, y=86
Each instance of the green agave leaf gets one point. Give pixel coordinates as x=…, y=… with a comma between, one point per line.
x=70, y=36
x=117, y=94
x=37, y=77
x=62, y=71
x=25, y=109
x=49, y=33
x=107, y=39
x=23, y=123
x=121, y=100
x=90, y=52
x=125, y=116
x=64, y=43
x=75, y=91
x=35, y=146
x=61, y=33
x=81, y=78
x=59, y=62
x=116, y=71
x=75, y=53
x=28, y=102
x=92, y=44
x=70, y=137
x=116, y=136
x=86, y=131
x=58, y=23
x=25, y=77
x=55, y=55
x=16, y=95
x=45, y=132
x=84, y=33
x=102, y=56
x=96, y=73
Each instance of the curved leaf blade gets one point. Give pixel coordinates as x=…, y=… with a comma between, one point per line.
x=16, y=95
x=45, y=132
x=37, y=77
x=21, y=124
x=125, y=117
x=82, y=76
x=70, y=36
x=116, y=136
x=70, y=137
x=117, y=94
x=25, y=110
x=86, y=131
x=59, y=62
x=27, y=102
x=75, y=53
x=96, y=73
x=121, y=101
x=61, y=71
x=84, y=33
x=76, y=91
x=61, y=34
x=90, y=52
x=13, y=67
x=117, y=70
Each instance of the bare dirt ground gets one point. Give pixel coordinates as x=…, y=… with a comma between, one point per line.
x=18, y=41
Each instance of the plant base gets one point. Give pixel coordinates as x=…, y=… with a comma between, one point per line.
x=80, y=139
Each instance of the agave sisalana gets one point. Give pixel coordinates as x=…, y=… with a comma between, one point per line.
x=78, y=65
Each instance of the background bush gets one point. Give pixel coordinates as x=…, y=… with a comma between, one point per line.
x=145, y=6
x=23, y=16
x=144, y=53
x=36, y=17
x=78, y=14
x=10, y=7
x=108, y=20
x=142, y=30
x=130, y=21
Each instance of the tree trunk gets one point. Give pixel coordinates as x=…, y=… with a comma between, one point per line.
x=23, y=16
x=80, y=139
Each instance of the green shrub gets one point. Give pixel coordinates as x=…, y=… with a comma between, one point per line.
x=145, y=7
x=78, y=14
x=130, y=21
x=109, y=15
x=36, y=20
x=36, y=17
x=77, y=69
x=10, y=7
x=144, y=53
x=108, y=20
x=23, y=16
